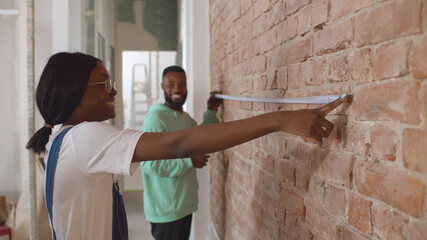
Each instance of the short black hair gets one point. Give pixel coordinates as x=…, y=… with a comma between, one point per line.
x=172, y=69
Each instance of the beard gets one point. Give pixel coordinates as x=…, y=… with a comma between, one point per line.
x=173, y=104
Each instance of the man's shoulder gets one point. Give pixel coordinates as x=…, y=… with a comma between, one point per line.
x=157, y=109
x=158, y=116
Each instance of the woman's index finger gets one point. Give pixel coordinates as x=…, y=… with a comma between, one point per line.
x=324, y=110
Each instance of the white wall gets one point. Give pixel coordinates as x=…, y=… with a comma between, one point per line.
x=105, y=25
x=194, y=35
x=10, y=104
x=58, y=27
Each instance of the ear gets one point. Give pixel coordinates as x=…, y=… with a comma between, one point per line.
x=163, y=85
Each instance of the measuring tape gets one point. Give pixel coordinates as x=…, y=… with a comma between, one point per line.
x=304, y=100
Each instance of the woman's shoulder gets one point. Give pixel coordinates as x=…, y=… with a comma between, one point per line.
x=94, y=126
x=90, y=130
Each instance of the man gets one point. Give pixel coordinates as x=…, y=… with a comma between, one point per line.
x=170, y=186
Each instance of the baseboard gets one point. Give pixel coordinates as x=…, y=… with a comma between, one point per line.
x=214, y=235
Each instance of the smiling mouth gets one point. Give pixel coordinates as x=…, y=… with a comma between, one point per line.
x=110, y=104
x=176, y=97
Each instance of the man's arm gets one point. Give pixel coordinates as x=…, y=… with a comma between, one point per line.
x=209, y=115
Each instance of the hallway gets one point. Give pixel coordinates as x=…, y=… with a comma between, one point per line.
x=139, y=228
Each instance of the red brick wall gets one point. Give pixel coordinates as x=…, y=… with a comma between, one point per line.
x=368, y=179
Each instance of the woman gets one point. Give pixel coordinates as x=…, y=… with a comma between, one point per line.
x=76, y=90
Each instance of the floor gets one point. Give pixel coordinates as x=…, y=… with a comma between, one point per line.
x=139, y=228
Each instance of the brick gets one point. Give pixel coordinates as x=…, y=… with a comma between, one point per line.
x=388, y=21
x=291, y=222
x=276, y=14
x=296, y=93
x=423, y=96
x=414, y=149
x=232, y=45
x=290, y=30
x=276, y=144
x=361, y=4
x=339, y=68
x=293, y=76
x=359, y=213
x=384, y=142
x=302, y=179
x=419, y=59
x=270, y=39
x=292, y=202
x=362, y=67
x=271, y=79
x=234, y=13
x=299, y=50
x=391, y=60
x=304, y=20
x=248, y=15
x=294, y=229
x=336, y=168
x=248, y=51
x=384, y=101
x=244, y=37
x=322, y=223
x=281, y=58
x=267, y=41
x=293, y=5
x=258, y=64
x=340, y=8
x=417, y=230
x=356, y=138
x=391, y=186
x=302, y=154
x=313, y=72
x=334, y=38
x=282, y=79
x=260, y=7
x=245, y=5
x=350, y=235
x=316, y=189
x=388, y=224
x=270, y=183
x=272, y=228
x=319, y=12
x=285, y=172
x=258, y=45
x=334, y=141
x=269, y=203
x=258, y=26
x=335, y=199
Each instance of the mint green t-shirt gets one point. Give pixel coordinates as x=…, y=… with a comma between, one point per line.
x=170, y=186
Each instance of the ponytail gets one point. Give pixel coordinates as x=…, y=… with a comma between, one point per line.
x=38, y=141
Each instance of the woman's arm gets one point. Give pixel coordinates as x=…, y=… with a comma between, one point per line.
x=215, y=137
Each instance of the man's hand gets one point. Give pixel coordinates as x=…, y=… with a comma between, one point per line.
x=214, y=103
x=200, y=161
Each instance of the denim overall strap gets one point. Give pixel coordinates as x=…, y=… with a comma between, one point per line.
x=50, y=174
x=120, y=224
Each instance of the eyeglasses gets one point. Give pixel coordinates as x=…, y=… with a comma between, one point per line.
x=109, y=85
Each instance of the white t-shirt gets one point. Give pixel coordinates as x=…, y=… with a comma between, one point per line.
x=82, y=194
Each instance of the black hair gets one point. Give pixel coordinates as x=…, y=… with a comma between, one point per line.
x=60, y=89
x=172, y=69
